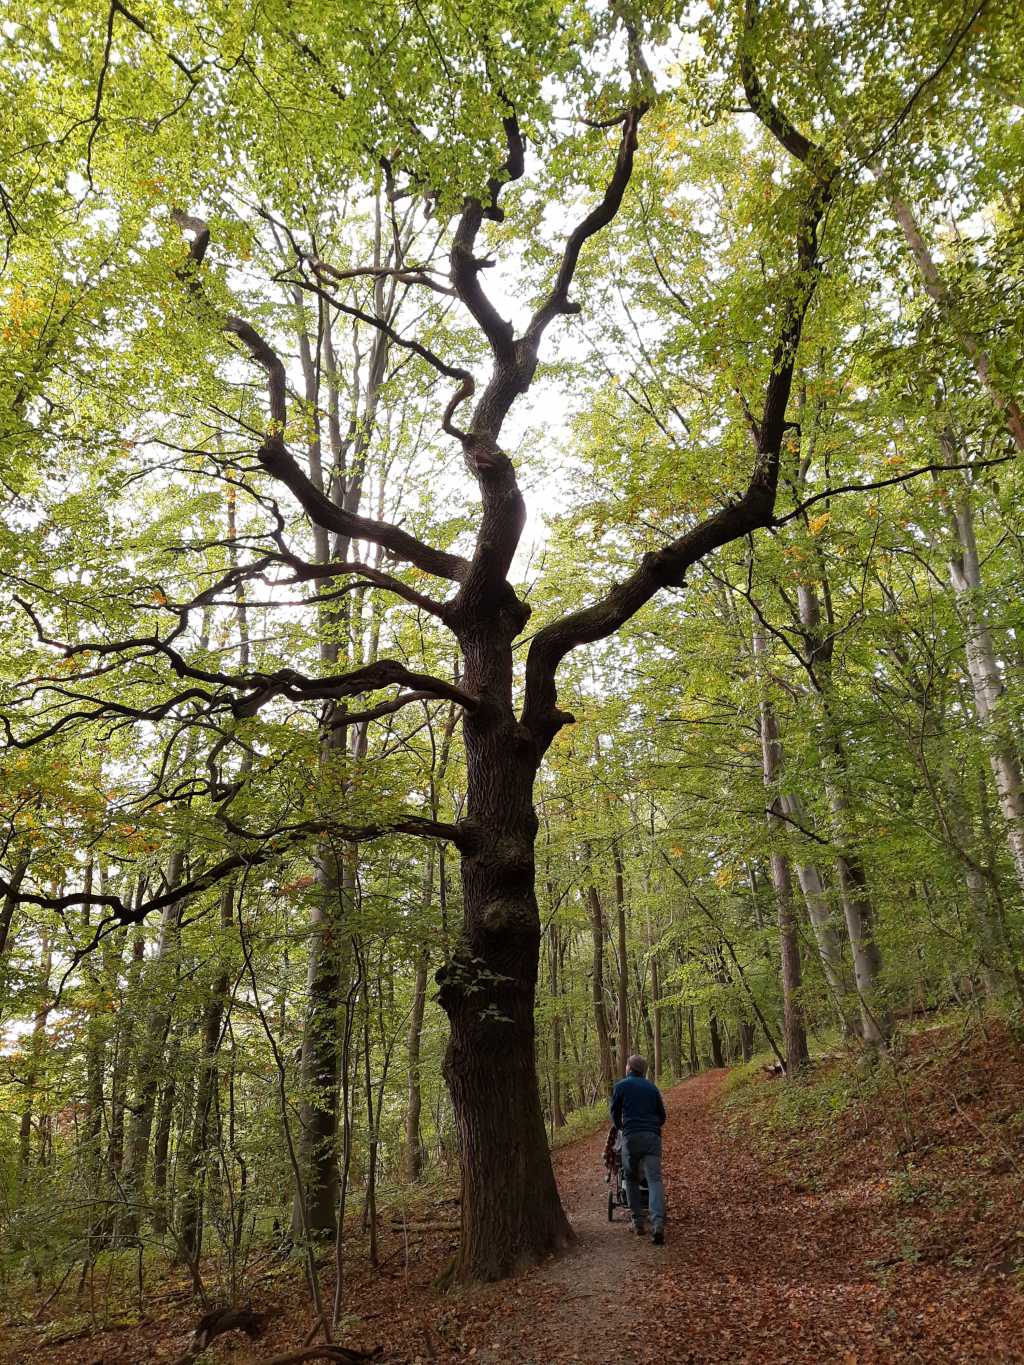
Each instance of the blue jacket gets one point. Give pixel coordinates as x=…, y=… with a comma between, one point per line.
x=637, y=1106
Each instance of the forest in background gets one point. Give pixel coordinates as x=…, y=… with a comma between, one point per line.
x=315, y=891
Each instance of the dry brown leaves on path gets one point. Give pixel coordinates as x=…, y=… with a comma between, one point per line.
x=756, y=1268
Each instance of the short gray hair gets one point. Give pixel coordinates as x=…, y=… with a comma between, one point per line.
x=637, y=1065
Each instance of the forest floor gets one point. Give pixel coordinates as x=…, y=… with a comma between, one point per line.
x=859, y=1218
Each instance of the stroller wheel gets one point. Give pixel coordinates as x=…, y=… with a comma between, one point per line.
x=611, y=1206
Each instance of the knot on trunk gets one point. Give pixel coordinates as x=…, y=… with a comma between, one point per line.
x=485, y=457
x=506, y=914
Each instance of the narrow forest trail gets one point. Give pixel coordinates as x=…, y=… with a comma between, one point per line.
x=755, y=1268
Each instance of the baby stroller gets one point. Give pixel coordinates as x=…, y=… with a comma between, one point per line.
x=614, y=1177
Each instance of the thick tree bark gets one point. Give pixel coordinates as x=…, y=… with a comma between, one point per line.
x=511, y=1212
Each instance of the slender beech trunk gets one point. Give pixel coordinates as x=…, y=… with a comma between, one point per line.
x=124, y=1052
x=858, y=909
x=983, y=669
x=945, y=298
x=196, y=1151
x=717, y=1055
x=415, y=1152
x=623, y=960
x=656, y=1012
x=691, y=1028
x=96, y=1037
x=674, y=1015
x=162, y=1136
x=37, y=1049
x=149, y=1059
x=820, y=912
x=597, y=988
x=557, y=1113
x=793, y=1025
x=330, y=966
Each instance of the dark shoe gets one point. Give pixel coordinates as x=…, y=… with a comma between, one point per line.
x=658, y=1237
x=638, y=1228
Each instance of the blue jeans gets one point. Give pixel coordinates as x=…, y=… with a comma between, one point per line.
x=642, y=1151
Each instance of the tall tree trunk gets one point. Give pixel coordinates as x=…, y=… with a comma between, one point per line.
x=823, y=920
x=944, y=297
x=37, y=1049
x=597, y=988
x=149, y=1063
x=330, y=968
x=656, y=1012
x=717, y=1055
x=415, y=1152
x=414, y=1149
x=96, y=1037
x=793, y=1026
x=162, y=1136
x=691, y=1026
x=557, y=1113
x=983, y=669
x=858, y=909
x=124, y=1051
x=195, y=1154
x=623, y=960
x=674, y=1017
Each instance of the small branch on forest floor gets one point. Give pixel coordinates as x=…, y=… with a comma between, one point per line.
x=215, y=1324
x=322, y=1352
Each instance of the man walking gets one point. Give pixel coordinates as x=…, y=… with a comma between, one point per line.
x=638, y=1112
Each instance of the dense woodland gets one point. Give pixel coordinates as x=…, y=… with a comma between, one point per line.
x=512, y=554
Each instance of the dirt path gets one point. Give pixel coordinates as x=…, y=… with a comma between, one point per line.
x=577, y=1308
x=755, y=1269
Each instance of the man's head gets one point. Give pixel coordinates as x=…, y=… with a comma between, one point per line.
x=636, y=1066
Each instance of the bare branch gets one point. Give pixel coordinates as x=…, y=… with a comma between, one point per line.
x=668, y=566
x=278, y=461
x=599, y=217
